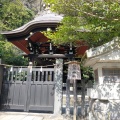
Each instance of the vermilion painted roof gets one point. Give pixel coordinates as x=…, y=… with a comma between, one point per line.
x=23, y=44
x=41, y=38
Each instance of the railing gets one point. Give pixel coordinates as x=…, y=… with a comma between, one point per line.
x=34, y=73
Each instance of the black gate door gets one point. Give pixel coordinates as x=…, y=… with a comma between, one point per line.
x=28, y=89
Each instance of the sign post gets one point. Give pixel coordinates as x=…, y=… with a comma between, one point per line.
x=75, y=100
x=68, y=97
x=74, y=74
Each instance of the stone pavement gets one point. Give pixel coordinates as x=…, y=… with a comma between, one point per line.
x=34, y=116
x=31, y=116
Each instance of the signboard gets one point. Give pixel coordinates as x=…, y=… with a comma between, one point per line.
x=74, y=72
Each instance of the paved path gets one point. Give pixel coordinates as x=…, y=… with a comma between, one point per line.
x=34, y=116
x=29, y=116
x=19, y=116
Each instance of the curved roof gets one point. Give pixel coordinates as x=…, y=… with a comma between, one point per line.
x=43, y=19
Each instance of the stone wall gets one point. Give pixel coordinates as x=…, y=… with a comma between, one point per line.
x=105, y=110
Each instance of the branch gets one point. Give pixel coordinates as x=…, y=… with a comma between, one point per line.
x=93, y=15
x=77, y=7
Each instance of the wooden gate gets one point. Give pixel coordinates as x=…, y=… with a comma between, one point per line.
x=28, y=89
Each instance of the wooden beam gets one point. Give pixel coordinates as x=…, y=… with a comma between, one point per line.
x=51, y=56
x=55, y=56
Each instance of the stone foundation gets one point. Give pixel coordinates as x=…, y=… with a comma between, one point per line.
x=104, y=109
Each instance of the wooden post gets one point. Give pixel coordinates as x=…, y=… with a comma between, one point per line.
x=75, y=101
x=68, y=97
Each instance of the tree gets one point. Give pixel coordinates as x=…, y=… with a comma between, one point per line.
x=11, y=54
x=13, y=15
x=98, y=20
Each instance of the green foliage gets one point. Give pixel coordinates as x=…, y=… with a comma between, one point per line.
x=87, y=73
x=67, y=32
x=98, y=21
x=2, y=43
x=17, y=61
x=13, y=14
x=11, y=55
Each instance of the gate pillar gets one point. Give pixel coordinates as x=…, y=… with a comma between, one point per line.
x=58, y=78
